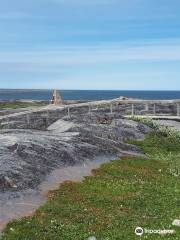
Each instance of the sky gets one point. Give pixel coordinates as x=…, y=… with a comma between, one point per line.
x=90, y=44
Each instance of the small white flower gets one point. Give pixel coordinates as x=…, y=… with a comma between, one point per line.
x=176, y=223
x=53, y=221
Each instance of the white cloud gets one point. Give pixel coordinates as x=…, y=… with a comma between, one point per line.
x=92, y=55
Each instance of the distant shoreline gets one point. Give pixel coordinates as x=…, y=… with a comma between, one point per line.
x=84, y=95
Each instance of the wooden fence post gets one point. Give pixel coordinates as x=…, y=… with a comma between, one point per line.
x=89, y=109
x=69, y=112
x=154, y=110
x=178, y=110
x=147, y=107
x=132, y=109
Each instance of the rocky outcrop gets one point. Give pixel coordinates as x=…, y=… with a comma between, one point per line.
x=28, y=154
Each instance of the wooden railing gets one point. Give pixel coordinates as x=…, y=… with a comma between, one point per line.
x=150, y=108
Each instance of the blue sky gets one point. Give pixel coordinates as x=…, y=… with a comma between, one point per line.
x=90, y=44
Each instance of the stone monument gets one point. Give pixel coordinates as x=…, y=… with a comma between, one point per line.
x=56, y=98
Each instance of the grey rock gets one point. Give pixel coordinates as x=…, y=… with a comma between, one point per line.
x=30, y=151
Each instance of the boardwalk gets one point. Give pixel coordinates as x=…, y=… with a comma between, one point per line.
x=169, y=123
x=163, y=117
x=132, y=103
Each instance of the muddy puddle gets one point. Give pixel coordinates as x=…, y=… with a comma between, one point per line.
x=21, y=204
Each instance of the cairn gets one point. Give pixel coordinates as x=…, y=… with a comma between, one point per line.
x=56, y=98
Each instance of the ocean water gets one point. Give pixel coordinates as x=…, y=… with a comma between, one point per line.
x=86, y=94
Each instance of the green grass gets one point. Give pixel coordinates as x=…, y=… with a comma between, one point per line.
x=15, y=105
x=122, y=195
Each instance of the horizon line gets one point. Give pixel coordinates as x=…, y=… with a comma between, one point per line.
x=51, y=89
